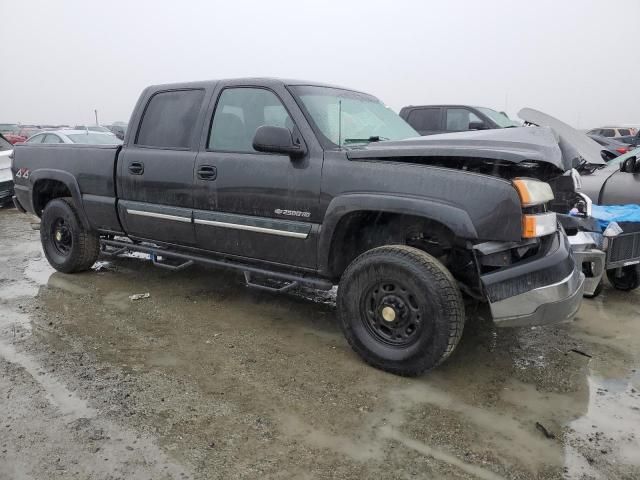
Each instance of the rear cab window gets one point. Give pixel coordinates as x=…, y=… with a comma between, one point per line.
x=169, y=119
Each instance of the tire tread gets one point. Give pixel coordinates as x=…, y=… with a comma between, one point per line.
x=450, y=296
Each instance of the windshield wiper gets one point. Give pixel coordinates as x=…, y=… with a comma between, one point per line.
x=373, y=138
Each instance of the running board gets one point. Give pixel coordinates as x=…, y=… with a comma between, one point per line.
x=187, y=260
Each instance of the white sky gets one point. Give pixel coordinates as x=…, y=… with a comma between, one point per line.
x=576, y=60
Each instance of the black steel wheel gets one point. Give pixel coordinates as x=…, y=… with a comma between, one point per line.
x=400, y=309
x=68, y=245
x=624, y=278
x=393, y=314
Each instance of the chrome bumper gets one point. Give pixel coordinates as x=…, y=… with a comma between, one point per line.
x=586, y=248
x=549, y=304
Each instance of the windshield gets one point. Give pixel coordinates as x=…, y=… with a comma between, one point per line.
x=499, y=118
x=94, y=139
x=347, y=118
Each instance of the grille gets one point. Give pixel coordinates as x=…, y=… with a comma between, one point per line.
x=624, y=248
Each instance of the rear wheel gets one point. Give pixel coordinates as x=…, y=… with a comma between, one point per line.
x=68, y=245
x=400, y=309
x=624, y=278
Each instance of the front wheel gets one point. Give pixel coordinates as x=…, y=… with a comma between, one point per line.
x=624, y=278
x=68, y=245
x=400, y=309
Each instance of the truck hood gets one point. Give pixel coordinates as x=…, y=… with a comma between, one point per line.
x=514, y=145
x=576, y=146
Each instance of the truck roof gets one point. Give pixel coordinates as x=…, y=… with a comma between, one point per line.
x=266, y=81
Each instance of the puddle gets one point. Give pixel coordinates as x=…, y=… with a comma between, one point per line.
x=610, y=427
x=38, y=270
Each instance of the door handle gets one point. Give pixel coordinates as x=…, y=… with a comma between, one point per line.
x=136, y=168
x=207, y=172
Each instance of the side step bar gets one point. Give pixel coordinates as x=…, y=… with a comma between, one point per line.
x=118, y=247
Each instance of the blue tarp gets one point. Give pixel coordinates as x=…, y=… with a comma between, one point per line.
x=606, y=214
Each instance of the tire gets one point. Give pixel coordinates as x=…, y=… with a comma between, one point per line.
x=67, y=244
x=629, y=280
x=400, y=309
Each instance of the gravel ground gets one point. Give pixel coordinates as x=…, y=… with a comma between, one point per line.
x=209, y=379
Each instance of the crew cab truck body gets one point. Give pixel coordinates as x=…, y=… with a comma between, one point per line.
x=311, y=184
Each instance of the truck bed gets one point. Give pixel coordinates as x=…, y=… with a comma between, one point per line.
x=89, y=168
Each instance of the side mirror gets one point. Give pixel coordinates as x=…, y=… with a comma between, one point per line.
x=629, y=165
x=270, y=139
x=477, y=126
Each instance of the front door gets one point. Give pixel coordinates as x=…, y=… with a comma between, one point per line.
x=252, y=204
x=155, y=170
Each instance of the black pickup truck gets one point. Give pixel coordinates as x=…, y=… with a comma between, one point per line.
x=296, y=183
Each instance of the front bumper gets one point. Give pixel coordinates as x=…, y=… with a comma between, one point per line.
x=554, y=303
x=589, y=256
x=543, y=290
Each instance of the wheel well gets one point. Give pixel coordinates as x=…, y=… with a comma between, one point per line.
x=46, y=190
x=360, y=231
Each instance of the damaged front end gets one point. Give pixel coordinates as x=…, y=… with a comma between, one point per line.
x=533, y=284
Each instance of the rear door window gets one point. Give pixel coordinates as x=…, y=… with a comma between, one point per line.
x=170, y=119
x=458, y=119
x=424, y=119
x=623, y=132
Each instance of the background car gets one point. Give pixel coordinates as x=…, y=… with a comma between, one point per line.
x=611, y=147
x=27, y=131
x=632, y=140
x=118, y=130
x=612, y=131
x=6, y=179
x=92, y=128
x=75, y=136
x=8, y=128
x=432, y=119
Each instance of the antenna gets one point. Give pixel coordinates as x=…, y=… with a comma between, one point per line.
x=340, y=124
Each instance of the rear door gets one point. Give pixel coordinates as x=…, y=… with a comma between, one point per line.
x=426, y=121
x=155, y=169
x=253, y=204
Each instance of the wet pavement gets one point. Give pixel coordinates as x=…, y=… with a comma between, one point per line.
x=207, y=378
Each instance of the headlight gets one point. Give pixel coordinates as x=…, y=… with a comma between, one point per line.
x=533, y=192
x=539, y=225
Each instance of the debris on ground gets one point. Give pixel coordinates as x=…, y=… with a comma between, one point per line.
x=544, y=430
x=139, y=296
x=102, y=266
x=580, y=352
